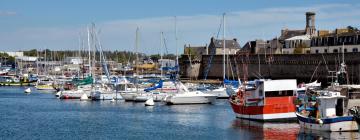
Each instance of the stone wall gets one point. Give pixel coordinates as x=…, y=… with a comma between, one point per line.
x=299, y=66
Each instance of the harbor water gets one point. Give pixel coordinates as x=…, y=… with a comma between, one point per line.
x=40, y=115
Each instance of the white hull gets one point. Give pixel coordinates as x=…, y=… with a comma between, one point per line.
x=339, y=126
x=74, y=94
x=268, y=117
x=190, y=98
x=128, y=96
x=346, y=125
x=98, y=95
x=142, y=98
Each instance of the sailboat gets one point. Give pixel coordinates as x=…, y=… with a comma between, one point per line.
x=130, y=93
x=83, y=87
x=221, y=91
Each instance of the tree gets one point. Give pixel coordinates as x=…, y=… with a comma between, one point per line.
x=155, y=57
x=6, y=59
x=32, y=52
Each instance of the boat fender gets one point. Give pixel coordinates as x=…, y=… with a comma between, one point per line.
x=320, y=122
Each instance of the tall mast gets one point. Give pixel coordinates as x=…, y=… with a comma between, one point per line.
x=137, y=59
x=224, y=45
x=136, y=49
x=176, y=45
x=161, y=53
x=89, y=47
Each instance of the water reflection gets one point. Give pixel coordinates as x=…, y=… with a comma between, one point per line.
x=306, y=134
x=266, y=130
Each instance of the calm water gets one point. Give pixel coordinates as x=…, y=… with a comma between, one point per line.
x=42, y=116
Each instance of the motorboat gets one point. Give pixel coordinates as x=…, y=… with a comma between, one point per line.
x=265, y=100
x=184, y=96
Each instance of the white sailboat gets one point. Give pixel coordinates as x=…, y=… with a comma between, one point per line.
x=131, y=93
x=221, y=91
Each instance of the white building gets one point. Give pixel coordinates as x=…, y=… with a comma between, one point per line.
x=295, y=42
x=14, y=54
x=74, y=60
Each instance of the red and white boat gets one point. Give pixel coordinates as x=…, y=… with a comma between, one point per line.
x=265, y=100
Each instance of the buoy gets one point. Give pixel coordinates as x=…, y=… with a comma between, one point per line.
x=112, y=100
x=28, y=90
x=58, y=94
x=150, y=102
x=84, y=97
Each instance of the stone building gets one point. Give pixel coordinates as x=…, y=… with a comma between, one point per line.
x=231, y=46
x=332, y=42
x=297, y=44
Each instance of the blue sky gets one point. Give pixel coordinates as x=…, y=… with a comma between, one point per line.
x=57, y=25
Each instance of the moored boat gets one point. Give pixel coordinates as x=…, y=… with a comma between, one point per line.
x=184, y=96
x=328, y=113
x=265, y=100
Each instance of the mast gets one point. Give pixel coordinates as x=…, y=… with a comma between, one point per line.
x=224, y=46
x=136, y=49
x=161, y=53
x=137, y=59
x=89, y=47
x=176, y=46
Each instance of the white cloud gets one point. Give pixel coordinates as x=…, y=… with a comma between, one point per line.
x=7, y=13
x=194, y=30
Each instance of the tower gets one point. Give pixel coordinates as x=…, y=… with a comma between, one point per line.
x=310, y=24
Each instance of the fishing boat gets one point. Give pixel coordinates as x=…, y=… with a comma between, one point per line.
x=328, y=113
x=265, y=100
x=184, y=96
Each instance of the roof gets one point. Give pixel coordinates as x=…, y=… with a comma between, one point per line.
x=300, y=37
x=280, y=85
x=285, y=34
x=230, y=44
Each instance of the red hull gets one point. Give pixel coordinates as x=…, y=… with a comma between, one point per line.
x=273, y=105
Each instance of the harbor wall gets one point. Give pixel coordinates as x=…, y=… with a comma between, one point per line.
x=304, y=67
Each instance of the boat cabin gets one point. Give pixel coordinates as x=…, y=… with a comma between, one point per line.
x=262, y=92
x=330, y=104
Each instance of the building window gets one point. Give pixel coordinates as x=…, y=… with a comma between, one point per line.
x=316, y=51
x=345, y=50
x=325, y=50
x=335, y=50
x=355, y=49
